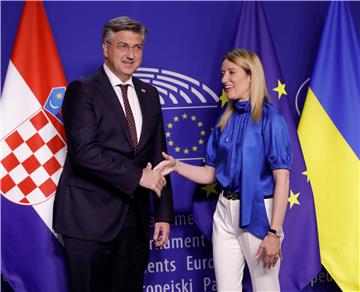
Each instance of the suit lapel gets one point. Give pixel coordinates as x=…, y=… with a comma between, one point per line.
x=112, y=100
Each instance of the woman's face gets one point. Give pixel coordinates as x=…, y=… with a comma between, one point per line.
x=236, y=81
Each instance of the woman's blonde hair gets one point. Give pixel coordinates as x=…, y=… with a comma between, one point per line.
x=251, y=64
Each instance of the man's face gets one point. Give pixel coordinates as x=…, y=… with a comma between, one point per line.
x=123, y=53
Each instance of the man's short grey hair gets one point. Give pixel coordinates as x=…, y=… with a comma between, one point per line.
x=122, y=23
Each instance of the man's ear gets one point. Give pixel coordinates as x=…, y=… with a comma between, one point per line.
x=105, y=49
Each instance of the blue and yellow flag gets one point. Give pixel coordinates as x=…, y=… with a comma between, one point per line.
x=329, y=133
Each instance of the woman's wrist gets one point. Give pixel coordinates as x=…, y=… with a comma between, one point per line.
x=273, y=235
x=176, y=166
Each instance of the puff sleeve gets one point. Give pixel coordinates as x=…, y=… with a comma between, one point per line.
x=211, y=148
x=277, y=143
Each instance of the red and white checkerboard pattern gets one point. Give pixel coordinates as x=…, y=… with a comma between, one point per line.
x=33, y=156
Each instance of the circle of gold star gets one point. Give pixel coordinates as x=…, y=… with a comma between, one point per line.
x=177, y=119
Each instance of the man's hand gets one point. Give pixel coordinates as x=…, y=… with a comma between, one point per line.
x=152, y=180
x=161, y=233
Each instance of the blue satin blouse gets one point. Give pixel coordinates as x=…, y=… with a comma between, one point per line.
x=244, y=155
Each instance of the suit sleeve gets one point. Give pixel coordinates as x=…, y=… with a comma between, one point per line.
x=164, y=208
x=85, y=151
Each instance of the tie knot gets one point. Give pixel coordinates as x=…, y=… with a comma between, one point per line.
x=124, y=88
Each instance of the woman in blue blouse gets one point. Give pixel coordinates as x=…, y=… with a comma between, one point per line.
x=249, y=154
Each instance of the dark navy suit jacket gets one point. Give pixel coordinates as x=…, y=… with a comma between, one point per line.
x=102, y=171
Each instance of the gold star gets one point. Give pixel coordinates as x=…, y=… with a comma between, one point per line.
x=176, y=119
x=167, y=134
x=223, y=98
x=200, y=124
x=170, y=125
x=202, y=133
x=210, y=189
x=177, y=149
x=186, y=151
x=184, y=116
x=306, y=174
x=59, y=95
x=280, y=89
x=194, y=148
x=201, y=141
x=171, y=143
x=293, y=199
x=193, y=118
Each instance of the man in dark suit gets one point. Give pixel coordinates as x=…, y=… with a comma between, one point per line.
x=114, y=128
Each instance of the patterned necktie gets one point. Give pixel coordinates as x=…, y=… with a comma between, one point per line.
x=129, y=115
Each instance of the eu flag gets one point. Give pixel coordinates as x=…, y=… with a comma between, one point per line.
x=300, y=247
x=329, y=134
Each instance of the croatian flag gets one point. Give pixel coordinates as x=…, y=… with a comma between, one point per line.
x=33, y=151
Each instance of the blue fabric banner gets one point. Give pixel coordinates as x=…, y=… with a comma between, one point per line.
x=300, y=221
x=329, y=133
x=182, y=57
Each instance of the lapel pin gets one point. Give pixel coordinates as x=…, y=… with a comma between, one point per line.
x=143, y=90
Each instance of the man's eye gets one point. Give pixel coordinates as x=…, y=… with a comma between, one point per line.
x=122, y=46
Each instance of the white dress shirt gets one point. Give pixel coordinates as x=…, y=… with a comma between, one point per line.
x=132, y=96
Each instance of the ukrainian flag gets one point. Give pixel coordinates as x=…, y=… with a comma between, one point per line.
x=329, y=133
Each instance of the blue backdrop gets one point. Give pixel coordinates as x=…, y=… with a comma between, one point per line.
x=182, y=57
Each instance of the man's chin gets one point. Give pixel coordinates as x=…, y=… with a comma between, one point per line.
x=129, y=70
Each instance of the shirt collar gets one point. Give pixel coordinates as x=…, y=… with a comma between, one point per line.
x=114, y=80
x=242, y=106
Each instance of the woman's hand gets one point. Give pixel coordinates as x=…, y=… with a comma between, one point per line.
x=269, y=251
x=166, y=166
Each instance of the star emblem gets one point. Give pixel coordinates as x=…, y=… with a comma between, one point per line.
x=280, y=89
x=210, y=189
x=223, y=98
x=306, y=174
x=293, y=199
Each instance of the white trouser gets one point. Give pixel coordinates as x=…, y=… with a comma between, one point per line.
x=232, y=246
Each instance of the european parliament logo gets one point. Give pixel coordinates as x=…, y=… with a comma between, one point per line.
x=189, y=110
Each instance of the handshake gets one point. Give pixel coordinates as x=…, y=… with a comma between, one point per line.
x=154, y=178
